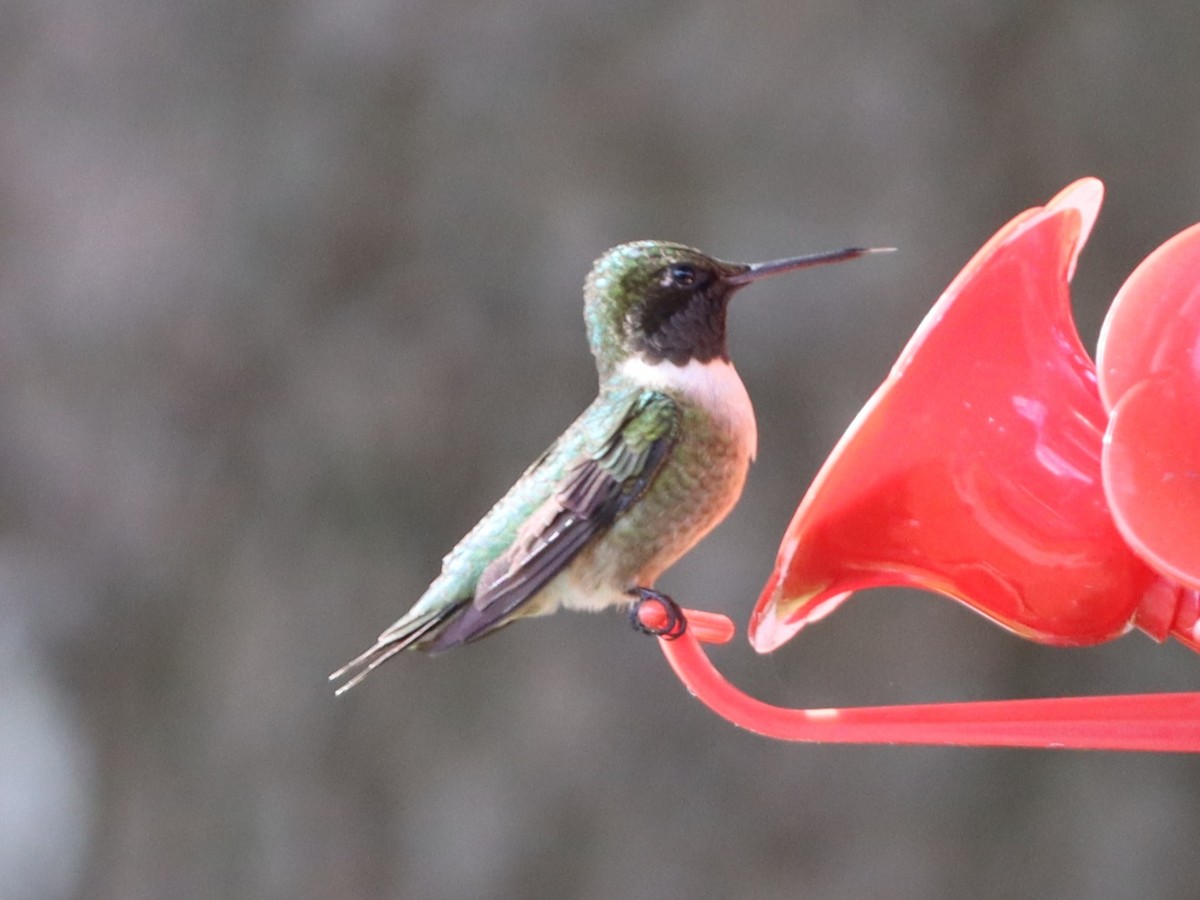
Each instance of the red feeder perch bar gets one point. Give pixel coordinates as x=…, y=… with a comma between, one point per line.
x=999, y=467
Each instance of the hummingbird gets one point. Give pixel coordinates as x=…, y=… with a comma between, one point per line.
x=656, y=461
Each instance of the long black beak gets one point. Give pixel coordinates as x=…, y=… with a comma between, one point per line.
x=778, y=266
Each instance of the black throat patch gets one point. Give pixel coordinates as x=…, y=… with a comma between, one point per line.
x=692, y=328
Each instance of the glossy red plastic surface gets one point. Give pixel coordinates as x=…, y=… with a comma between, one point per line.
x=975, y=470
x=1157, y=722
x=988, y=468
x=1149, y=368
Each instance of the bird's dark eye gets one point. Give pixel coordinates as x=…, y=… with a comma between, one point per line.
x=683, y=275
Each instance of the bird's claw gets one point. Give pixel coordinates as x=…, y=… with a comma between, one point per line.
x=675, y=623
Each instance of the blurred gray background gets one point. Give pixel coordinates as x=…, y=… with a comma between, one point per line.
x=290, y=293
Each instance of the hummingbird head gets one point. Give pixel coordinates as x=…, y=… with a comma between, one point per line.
x=661, y=301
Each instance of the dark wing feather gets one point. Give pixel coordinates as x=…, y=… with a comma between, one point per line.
x=593, y=493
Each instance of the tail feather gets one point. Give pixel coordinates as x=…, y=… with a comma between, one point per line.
x=400, y=636
x=469, y=626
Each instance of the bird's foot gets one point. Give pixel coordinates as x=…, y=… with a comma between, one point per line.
x=674, y=623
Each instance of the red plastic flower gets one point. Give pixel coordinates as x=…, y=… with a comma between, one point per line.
x=998, y=466
x=989, y=468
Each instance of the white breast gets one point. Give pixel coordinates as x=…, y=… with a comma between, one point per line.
x=714, y=385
